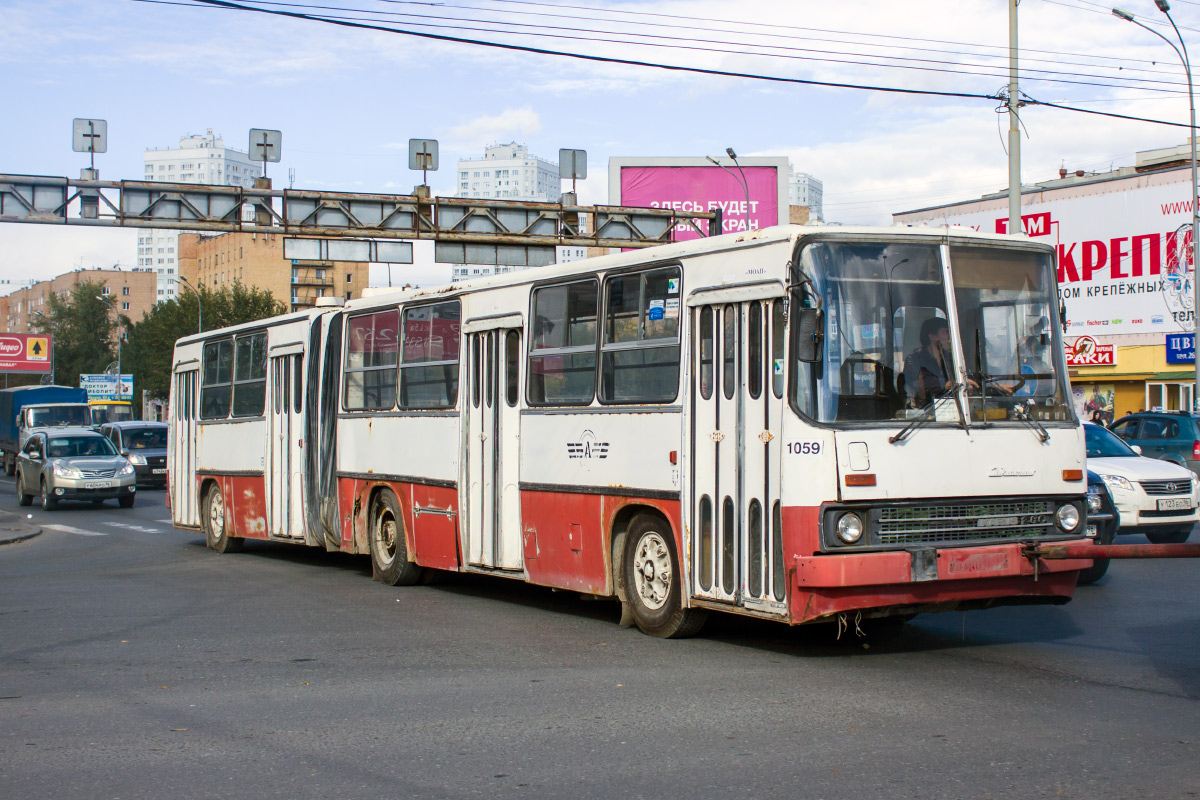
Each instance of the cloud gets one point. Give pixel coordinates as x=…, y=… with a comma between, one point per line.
x=512, y=123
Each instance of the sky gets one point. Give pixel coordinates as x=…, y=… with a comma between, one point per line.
x=348, y=99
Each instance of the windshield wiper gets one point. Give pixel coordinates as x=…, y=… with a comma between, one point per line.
x=927, y=413
x=1022, y=413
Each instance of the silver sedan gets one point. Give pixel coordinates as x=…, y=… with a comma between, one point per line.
x=73, y=464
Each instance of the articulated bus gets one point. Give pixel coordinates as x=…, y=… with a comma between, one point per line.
x=798, y=423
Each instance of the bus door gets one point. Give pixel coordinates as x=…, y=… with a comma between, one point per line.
x=493, y=501
x=737, y=412
x=285, y=430
x=184, y=410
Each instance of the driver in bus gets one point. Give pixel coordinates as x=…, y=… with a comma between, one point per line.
x=926, y=369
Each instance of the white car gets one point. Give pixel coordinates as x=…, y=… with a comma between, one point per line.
x=1154, y=497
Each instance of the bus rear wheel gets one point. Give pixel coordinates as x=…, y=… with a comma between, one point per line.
x=389, y=551
x=651, y=570
x=216, y=524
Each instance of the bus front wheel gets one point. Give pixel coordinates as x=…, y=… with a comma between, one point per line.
x=389, y=552
x=216, y=524
x=651, y=571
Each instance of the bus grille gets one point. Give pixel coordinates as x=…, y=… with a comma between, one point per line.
x=964, y=522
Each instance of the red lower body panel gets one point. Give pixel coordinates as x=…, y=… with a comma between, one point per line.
x=245, y=503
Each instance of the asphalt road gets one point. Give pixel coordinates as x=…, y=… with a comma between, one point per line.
x=134, y=663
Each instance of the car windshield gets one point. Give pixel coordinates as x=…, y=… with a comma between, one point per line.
x=60, y=415
x=72, y=446
x=1103, y=443
x=144, y=438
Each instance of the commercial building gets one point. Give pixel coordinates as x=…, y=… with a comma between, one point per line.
x=133, y=292
x=198, y=159
x=256, y=259
x=805, y=191
x=1123, y=242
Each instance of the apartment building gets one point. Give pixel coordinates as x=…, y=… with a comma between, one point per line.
x=134, y=292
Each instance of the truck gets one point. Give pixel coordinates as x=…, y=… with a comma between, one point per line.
x=111, y=411
x=26, y=407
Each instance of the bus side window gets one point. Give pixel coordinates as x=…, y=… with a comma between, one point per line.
x=372, y=352
x=250, y=375
x=562, y=350
x=297, y=382
x=512, y=358
x=640, y=362
x=429, y=363
x=217, y=391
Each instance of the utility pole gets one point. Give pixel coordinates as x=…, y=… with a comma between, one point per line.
x=1014, y=127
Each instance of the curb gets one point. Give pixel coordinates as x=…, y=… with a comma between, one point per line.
x=13, y=529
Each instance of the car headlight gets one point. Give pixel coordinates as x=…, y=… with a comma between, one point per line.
x=135, y=458
x=63, y=471
x=1095, y=500
x=126, y=470
x=1067, y=517
x=850, y=527
x=1117, y=482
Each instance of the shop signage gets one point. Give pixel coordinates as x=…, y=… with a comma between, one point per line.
x=107, y=387
x=1085, y=352
x=1181, y=348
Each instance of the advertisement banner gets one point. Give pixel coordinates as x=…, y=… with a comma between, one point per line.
x=25, y=352
x=1085, y=352
x=695, y=184
x=107, y=387
x=1123, y=247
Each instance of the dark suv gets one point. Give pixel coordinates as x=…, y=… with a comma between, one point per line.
x=1168, y=435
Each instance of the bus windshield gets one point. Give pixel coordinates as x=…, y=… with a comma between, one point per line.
x=889, y=351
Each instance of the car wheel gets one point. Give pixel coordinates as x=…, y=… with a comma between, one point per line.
x=126, y=501
x=1175, y=536
x=1099, y=565
x=651, y=571
x=389, y=550
x=10, y=466
x=216, y=533
x=49, y=501
x=22, y=498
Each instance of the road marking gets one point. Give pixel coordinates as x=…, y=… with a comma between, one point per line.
x=126, y=526
x=69, y=529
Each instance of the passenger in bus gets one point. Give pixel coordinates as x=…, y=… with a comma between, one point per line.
x=926, y=371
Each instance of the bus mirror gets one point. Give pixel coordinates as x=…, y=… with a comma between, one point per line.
x=809, y=324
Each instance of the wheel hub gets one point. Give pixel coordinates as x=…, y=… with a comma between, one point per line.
x=652, y=576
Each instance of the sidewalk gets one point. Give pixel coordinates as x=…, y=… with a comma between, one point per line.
x=16, y=528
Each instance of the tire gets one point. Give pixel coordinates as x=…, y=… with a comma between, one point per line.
x=22, y=498
x=1099, y=565
x=49, y=501
x=650, y=568
x=10, y=465
x=216, y=524
x=1173, y=536
x=126, y=501
x=389, y=550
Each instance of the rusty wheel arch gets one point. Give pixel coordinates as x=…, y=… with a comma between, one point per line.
x=373, y=495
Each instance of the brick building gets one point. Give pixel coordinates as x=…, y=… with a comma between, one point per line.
x=134, y=290
x=256, y=259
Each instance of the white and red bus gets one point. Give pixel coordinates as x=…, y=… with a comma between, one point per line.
x=745, y=423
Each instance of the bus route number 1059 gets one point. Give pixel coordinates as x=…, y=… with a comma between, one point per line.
x=804, y=448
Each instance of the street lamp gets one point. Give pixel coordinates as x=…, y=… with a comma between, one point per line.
x=199, y=311
x=742, y=182
x=1181, y=51
x=120, y=332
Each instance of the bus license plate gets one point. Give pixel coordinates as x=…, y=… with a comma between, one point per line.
x=1175, y=504
x=162, y=471
x=98, y=485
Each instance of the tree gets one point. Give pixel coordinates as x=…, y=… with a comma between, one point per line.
x=82, y=325
x=151, y=340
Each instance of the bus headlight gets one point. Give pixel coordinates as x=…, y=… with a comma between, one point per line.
x=1068, y=517
x=850, y=527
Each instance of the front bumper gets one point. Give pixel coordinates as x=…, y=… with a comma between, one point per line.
x=93, y=488
x=1140, y=511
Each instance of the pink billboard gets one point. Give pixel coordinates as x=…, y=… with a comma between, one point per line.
x=705, y=188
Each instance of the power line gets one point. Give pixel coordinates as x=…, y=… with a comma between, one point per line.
x=227, y=4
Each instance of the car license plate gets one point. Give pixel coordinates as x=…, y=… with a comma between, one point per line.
x=1175, y=504
x=97, y=485
x=1092, y=531
x=162, y=471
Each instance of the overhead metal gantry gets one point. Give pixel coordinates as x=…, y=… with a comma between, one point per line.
x=464, y=230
